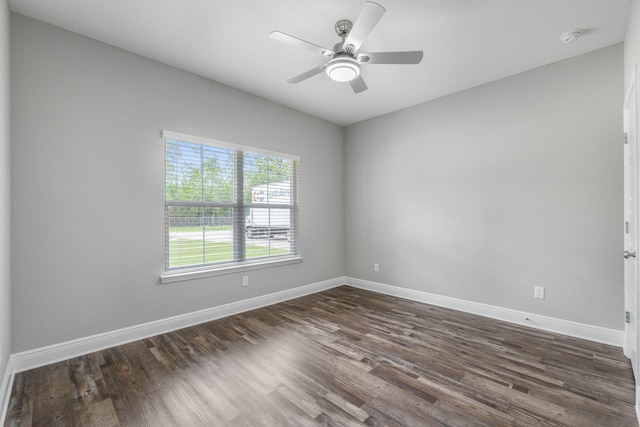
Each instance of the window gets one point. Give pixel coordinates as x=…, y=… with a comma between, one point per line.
x=227, y=205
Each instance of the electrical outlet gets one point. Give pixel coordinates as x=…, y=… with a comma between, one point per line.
x=376, y=267
x=245, y=280
x=538, y=292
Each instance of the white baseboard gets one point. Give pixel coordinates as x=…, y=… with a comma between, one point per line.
x=637, y=399
x=42, y=356
x=566, y=327
x=30, y=359
x=5, y=390
x=57, y=352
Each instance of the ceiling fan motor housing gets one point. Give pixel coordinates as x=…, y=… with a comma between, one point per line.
x=343, y=28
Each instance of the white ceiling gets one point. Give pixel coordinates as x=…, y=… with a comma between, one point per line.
x=465, y=42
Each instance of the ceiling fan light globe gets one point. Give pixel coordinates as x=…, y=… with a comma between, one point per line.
x=343, y=74
x=343, y=70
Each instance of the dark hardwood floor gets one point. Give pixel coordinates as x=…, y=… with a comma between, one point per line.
x=341, y=357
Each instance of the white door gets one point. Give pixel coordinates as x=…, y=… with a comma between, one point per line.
x=631, y=225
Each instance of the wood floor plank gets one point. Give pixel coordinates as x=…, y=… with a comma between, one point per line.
x=343, y=357
x=103, y=414
x=21, y=400
x=52, y=400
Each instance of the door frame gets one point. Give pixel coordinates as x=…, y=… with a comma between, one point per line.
x=631, y=96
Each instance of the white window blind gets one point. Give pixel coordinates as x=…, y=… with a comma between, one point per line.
x=227, y=204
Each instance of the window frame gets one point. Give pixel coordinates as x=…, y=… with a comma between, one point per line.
x=238, y=206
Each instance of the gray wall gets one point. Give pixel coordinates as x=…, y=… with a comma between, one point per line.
x=632, y=42
x=87, y=188
x=5, y=282
x=480, y=195
x=486, y=193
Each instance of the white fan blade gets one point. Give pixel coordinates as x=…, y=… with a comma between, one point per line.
x=358, y=85
x=312, y=72
x=366, y=21
x=410, y=57
x=286, y=38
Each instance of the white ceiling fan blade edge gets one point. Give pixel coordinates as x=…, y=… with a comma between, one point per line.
x=369, y=17
x=295, y=41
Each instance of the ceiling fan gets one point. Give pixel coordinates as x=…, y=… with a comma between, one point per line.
x=346, y=58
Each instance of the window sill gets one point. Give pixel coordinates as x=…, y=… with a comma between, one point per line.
x=183, y=275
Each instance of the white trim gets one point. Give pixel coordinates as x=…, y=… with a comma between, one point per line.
x=30, y=359
x=630, y=306
x=5, y=389
x=66, y=350
x=637, y=405
x=223, y=144
x=625, y=344
x=181, y=275
x=42, y=356
x=551, y=324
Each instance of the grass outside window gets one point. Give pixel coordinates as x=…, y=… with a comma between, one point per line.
x=187, y=252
